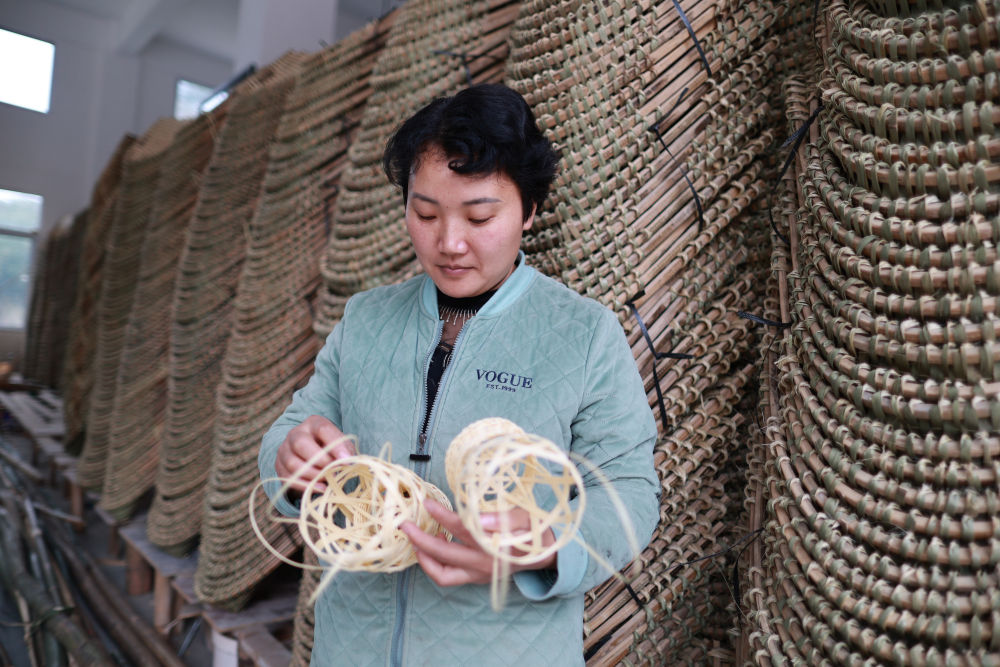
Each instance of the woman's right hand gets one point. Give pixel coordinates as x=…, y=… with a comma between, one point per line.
x=306, y=442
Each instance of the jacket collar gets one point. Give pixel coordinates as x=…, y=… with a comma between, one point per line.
x=509, y=292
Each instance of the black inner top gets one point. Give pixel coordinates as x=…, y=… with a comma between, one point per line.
x=442, y=353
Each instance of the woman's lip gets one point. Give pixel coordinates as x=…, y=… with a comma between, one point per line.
x=454, y=269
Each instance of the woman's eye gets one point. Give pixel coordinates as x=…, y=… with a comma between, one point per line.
x=425, y=218
x=478, y=221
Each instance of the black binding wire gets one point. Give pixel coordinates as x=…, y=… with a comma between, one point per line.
x=334, y=190
x=771, y=323
x=735, y=577
x=592, y=651
x=762, y=320
x=694, y=37
x=721, y=552
x=796, y=140
x=683, y=167
x=656, y=357
x=466, y=58
x=735, y=580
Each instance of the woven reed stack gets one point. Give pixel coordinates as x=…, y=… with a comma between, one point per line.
x=119, y=275
x=422, y=60
x=52, y=296
x=202, y=313
x=272, y=345
x=81, y=340
x=876, y=485
x=626, y=228
x=138, y=415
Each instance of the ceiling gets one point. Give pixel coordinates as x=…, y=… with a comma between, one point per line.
x=209, y=26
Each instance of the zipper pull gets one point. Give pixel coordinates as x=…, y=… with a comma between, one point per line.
x=419, y=454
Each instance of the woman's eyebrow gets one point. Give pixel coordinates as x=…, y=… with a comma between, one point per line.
x=471, y=202
x=425, y=198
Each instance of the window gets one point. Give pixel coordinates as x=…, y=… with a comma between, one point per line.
x=188, y=99
x=26, y=71
x=20, y=218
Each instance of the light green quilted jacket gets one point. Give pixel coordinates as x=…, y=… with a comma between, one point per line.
x=537, y=353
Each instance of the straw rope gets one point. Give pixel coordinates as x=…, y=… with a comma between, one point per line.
x=140, y=175
x=271, y=345
x=202, y=313
x=81, y=345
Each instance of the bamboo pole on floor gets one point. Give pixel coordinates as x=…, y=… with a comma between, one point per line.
x=35, y=598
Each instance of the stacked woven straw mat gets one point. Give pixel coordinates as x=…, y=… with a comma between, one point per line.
x=208, y=272
x=271, y=344
x=876, y=480
x=141, y=171
x=657, y=213
x=81, y=341
x=53, y=293
x=437, y=47
x=137, y=415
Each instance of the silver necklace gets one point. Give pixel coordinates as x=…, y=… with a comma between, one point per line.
x=454, y=315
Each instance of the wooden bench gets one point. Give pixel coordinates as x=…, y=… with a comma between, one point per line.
x=149, y=567
x=246, y=633
x=39, y=415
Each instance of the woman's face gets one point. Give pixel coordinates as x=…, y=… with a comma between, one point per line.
x=465, y=229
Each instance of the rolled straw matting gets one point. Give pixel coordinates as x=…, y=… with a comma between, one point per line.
x=876, y=489
x=140, y=175
x=625, y=221
x=138, y=415
x=81, y=341
x=202, y=311
x=53, y=293
x=272, y=345
x=422, y=60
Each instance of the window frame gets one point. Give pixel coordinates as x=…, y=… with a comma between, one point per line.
x=32, y=237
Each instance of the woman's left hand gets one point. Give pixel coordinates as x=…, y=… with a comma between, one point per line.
x=464, y=561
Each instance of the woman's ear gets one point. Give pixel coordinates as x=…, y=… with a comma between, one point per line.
x=530, y=219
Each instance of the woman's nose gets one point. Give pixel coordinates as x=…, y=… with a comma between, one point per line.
x=451, y=237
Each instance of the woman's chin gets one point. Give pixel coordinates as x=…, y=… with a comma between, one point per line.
x=455, y=287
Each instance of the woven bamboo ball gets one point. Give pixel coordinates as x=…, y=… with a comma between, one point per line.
x=354, y=523
x=496, y=467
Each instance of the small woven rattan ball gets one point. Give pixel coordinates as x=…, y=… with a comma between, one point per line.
x=499, y=472
x=353, y=524
x=465, y=442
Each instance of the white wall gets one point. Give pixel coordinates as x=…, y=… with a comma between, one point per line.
x=102, y=90
x=97, y=97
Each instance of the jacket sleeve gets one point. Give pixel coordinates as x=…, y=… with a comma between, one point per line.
x=320, y=396
x=615, y=431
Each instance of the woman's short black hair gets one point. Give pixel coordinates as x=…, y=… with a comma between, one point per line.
x=484, y=129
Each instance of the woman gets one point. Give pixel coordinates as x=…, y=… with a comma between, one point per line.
x=479, y=334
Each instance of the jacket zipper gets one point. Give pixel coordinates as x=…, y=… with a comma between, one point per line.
x=404, y=581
